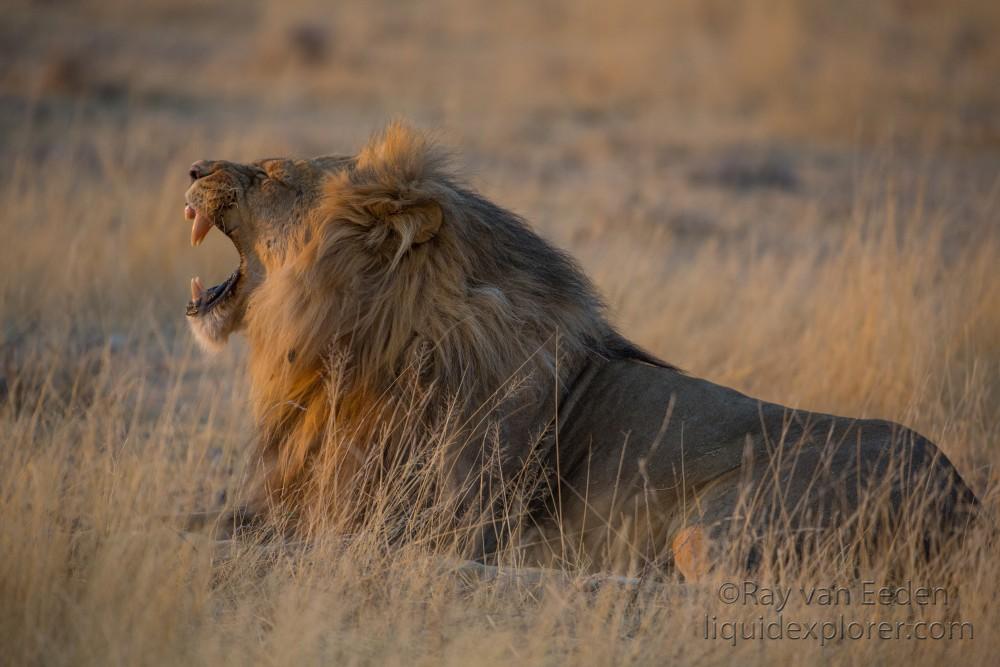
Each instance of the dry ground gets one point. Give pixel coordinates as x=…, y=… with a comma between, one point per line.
x=798, y=199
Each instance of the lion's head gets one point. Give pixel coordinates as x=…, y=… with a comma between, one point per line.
x=259, y=206
x=389, y=224
x=385, y=266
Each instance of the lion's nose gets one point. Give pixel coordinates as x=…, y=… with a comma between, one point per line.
x=199, y=169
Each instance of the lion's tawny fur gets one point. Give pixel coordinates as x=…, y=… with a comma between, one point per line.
x=393, y=315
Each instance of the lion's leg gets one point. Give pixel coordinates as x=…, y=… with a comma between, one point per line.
x=497, y=525
x=879, y=501
x=719, y=531
x=691, y=552
x=485, y=543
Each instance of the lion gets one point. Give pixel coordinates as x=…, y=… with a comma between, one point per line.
x=394, y=318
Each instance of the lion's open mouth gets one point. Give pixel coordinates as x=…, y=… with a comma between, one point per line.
x=205, y=300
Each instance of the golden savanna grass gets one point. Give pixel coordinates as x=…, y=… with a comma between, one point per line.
x=799, y=200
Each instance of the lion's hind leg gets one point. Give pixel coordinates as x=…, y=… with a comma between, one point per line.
x=691, y=552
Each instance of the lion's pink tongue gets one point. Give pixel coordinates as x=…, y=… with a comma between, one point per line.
x=200, y=227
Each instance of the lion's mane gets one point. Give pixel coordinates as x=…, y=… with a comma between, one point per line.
x=405, y=301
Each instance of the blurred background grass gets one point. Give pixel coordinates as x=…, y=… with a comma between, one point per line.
x=799, y=199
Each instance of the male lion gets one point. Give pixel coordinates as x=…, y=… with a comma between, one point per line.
x=398, y=322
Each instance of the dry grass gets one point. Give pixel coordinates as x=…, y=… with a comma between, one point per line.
x=859, y=278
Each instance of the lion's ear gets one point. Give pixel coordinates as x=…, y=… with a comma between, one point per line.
x=410, y=222
x=417, y=223
x=397, y=189
x=398, y=225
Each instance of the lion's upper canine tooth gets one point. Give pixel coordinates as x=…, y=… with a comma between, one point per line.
x=200, y=228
